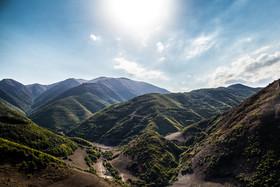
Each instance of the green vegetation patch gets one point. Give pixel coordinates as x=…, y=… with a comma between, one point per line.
x=17, y=128
x=155, y=158
x=29, y=160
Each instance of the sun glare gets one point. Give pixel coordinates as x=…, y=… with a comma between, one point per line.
x=137, y=16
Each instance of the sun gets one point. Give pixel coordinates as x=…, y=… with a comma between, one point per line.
x=137, y=16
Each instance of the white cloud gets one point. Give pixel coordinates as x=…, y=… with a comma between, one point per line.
x=247, y=70
x=261, y=50
x=138, y=71
x=199, y=46
x=160, y=47
x=94, y=37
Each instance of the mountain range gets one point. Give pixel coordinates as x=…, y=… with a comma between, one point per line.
x=72, y=100
x=164, y=113
x=226, y=136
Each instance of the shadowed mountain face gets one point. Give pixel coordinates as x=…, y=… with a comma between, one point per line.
x=31, y=96
x=37, y=89
x=16, y=94
x=55, y=91
x=164, y=113
x=240, y=146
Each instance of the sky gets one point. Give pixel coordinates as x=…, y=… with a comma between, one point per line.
x=179, y=45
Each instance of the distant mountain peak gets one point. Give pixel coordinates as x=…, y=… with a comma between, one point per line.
x=238, y=86
x=10, y=82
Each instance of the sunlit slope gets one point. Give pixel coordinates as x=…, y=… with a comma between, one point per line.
x=164, y=113
x=16, y=127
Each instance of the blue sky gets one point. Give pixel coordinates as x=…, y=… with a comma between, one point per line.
x=180, y=45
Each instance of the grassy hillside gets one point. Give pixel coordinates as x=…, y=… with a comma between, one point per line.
x=240, y=146
x=67, y=112
x=30, y=160
x=78, y=103
x=163, y=113
x=17, y=128
x=151, y=158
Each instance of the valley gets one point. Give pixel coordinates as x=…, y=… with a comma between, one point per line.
x=209, y=137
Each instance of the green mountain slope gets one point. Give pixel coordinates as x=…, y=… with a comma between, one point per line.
x=10, y=106
x=21, y=94
x=240, y=146
x=78, y=103
x=163, y=113
x=151, y=158
x=55, y=91
x=15, y=127
x=14, y=101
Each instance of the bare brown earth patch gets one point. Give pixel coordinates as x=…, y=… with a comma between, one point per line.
x=77, y=159
x=176, y=136
x=193, y=181
x=53, y=175
x=120, y=163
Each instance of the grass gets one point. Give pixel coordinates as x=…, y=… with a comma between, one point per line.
x=17, y=128
x=29, y=160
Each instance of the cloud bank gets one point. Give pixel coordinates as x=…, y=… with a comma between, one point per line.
x=247, y=70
